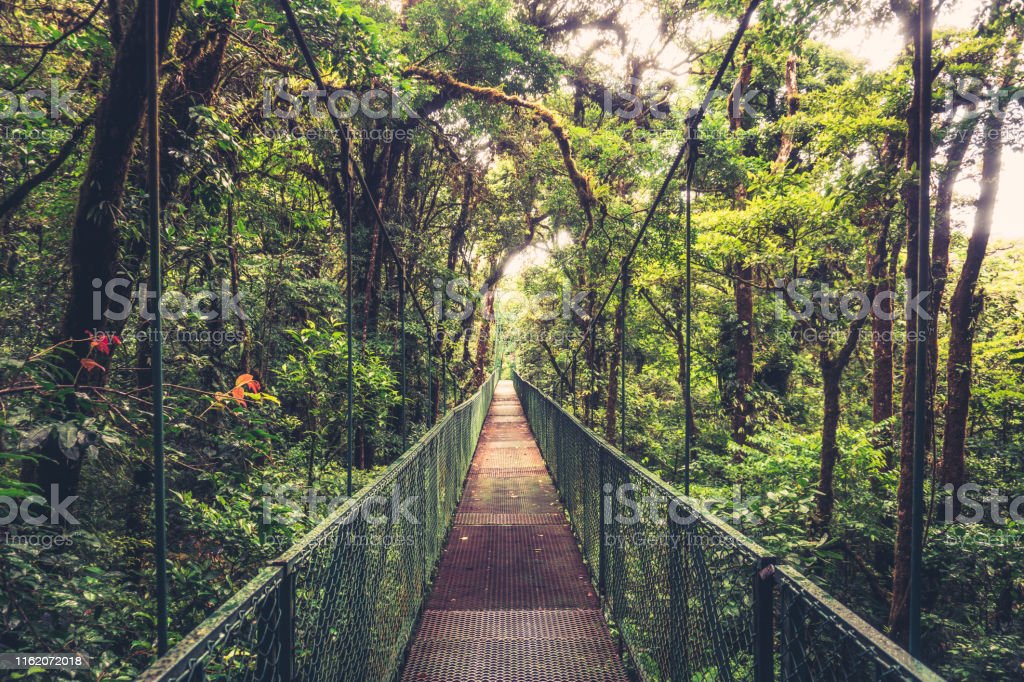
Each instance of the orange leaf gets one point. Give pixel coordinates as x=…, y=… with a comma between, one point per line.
x=90, y=365
x=238, y=393
x=242, y=380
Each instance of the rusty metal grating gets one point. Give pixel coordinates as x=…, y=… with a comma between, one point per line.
x=493, y=499
x=510, y=458
x=510, y=453
x=527, y=474
x=527, y=442
x=484, y=519
x=511, y=505
x=527, y=466
x=512, y=567
x=484, y=660
x=497, y=625
x=525, y=469
x=504, y=482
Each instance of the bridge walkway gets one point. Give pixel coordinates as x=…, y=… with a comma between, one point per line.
x=512, y=600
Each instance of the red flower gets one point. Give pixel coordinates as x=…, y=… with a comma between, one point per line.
x=101, y=342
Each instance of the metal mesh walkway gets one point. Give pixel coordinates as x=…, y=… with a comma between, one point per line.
x=512, y=599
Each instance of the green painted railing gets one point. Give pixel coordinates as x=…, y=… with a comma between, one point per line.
x=692, y=598
x=341, y=604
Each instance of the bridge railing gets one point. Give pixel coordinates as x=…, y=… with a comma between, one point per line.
x=342, y=602
x=692, y=598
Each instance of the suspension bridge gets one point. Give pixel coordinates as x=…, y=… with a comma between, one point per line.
x=525, y=555
x=528, y=556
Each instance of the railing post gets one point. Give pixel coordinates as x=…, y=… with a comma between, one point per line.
x=764, y=619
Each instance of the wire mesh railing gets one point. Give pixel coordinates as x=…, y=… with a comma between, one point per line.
x=693, y=598
x=341, y=603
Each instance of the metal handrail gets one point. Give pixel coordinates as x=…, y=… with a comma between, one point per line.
x=693, y=598
x=341, y=602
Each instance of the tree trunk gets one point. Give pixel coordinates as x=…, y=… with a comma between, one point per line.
x=743, y=295
x=483, y=340
x=612, y=403
x=947, y=178
x=792, y=107
x=743, y=340
x=964, y=308
x=458, y=238
x=832, y=369
x=831, y=374
x=882, y=270
x=95, y=233
x=881, y=333
x=899, y=609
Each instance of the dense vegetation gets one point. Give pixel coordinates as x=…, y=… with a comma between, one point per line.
x=509, y=146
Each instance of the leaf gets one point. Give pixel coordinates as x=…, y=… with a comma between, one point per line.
x=34, y=438
x=67, y=437
x=90, y=364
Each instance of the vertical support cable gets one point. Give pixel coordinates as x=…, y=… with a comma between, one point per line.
x=349, y=273
x=157, y=348
x=923, y=83
x=691, y=163
x=347, y=168
x=430, y=378
x=572, y=379
x=622, y=351
x=495, y=361
x=603, y=520
x=593, y=368
x=444, y=381
x=401, y=345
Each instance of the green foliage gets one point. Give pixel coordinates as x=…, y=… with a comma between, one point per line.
x=256, y=403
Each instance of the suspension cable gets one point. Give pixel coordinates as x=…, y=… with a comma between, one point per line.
x=693, y=122
x=401, y=345
x=923, y=85
x=688, y=332
x=156, y=286
x=624, y=304
x=352, y=168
